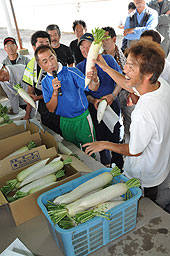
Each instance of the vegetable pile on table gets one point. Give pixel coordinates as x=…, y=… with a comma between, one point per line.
x=35, y=178
x=92, y=198
x=4, y=117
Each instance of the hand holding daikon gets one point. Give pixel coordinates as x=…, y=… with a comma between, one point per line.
x=23, y=94
x=99, y=35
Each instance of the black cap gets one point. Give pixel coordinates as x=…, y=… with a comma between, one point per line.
x=88, y=37
x=9, y=39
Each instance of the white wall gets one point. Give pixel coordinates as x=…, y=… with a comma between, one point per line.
x=37, y=14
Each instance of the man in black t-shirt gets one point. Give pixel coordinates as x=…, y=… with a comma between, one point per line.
x=62, y=51
x=79, y=28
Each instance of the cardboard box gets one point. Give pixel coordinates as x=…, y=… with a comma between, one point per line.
x=13, y=129
x=26, y=208
x=11, y=144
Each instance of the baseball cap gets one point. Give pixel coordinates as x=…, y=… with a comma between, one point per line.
x=9, y=39
x=88, y=37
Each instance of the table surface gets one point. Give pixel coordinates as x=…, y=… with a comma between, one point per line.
x=150, y=237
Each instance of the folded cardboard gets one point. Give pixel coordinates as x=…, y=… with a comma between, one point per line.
x=26, y=208
x=13, y=143
x=13, y=129
x=9, y=130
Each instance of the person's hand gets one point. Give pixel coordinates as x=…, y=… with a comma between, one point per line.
x=128, y=31
x=96, y=103
x=109, y=98
x=93, y=147
x=33, y=96
x=132, y=99
x=92, y=75
x=56, y=85
x=101, y=62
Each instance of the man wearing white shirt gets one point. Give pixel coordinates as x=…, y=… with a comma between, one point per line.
x=148, y=151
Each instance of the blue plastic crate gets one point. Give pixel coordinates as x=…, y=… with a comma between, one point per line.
x=90, y=236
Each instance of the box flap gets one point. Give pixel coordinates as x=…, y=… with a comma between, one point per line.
x=10, y=130
x=48, y=140
x=2, y=199
x=22, y=161
x=33, y=128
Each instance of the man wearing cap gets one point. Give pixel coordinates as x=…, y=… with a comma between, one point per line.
x=11, y=75
x=10, y=46
x=105, y=91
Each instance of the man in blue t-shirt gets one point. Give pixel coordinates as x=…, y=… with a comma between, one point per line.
x=72, y=106
x=106, y=88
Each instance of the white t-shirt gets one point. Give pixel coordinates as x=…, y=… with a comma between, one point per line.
x=150, y=134
x=166, y=72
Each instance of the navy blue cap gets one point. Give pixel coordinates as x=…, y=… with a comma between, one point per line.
x=88, y=37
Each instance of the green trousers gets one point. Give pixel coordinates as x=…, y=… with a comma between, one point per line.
x=78, y=130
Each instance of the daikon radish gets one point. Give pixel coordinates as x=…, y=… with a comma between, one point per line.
x=64, y=150
x=45, y=170
x=24, y=173
x=88, y=186
x=100, y=211
x=101, y=109
x=30, y=145
x=58, y=212
x=24, y=95
x=99, y=35
x=43, y=180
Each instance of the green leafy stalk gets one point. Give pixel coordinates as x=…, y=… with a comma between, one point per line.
x=115, y=171
x=67, y=161
x=66, y=223
x=17, y=196
x=59, y=215
x=128, y=195
x=60, y=174
x=99, y=35
x=134, y=182
x=84, y=216
x=56, y=212
x=3, y=109
x=20, y=194
x=17, y=87
x=31, y=145
x=10, y=186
